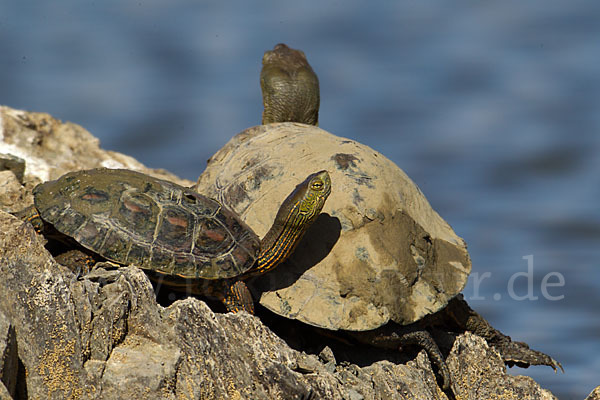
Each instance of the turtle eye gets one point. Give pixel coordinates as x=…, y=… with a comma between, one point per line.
x=318, y=185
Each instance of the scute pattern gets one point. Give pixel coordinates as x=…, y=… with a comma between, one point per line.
x=129, y=217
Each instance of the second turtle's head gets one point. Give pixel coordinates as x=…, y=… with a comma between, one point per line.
x=290, y=88
x=297, y=213
x=302, y=207
x=312, y=194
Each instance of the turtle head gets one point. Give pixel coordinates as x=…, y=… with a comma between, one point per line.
x=290, y=88
x=296, y=214
x=309, y=196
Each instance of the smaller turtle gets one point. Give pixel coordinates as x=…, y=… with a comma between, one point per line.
x=131, y=218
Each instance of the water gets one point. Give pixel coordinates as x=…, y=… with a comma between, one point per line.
x=491, y=108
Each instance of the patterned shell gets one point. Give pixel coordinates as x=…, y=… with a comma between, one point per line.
x=131, y=218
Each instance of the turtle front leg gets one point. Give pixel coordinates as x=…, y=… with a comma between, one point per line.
x=31, y=215
x=513, y=353
x=79, y=262
x=237, y=297
x=396, y=337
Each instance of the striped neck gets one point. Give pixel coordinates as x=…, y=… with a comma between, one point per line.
x=290, y=233
x=296, y=214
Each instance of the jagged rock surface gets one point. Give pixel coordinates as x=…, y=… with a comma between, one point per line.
x=595, y=395
x=104, y=336
x=51, y=148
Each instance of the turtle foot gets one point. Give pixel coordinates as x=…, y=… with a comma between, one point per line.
x=238, y=298
x=519, y=354
x=79, y=262
x=397, y=337
x=423, y=339
x=513, y=353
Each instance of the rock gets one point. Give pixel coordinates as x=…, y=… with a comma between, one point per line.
x=483, y=374
x=4, y=394
x=13, y=195
x=8, y=355
x=52, y=148
x=103, y=335
x=35, y=299
x=12, y=163
x=595, y=395
x=141, y=367
x=326, y=355
x=308, y=363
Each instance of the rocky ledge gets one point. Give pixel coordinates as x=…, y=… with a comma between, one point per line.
x=105, y=336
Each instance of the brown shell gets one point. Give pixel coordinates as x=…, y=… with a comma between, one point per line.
x=132, y=218
x=378, y=251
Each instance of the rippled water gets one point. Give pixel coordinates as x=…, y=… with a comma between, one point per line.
x=491, y=108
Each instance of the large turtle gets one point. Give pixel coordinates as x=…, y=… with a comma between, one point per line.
x=131, y=218
x=382, y=263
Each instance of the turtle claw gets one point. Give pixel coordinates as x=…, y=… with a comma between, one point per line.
x=397, y=337
x=519, y=353
x=423, y=339
x=513, y=353
x=556, y=364
x=445, y=375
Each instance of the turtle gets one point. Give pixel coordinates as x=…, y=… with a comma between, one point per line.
x=381, y=266
x=186, y=238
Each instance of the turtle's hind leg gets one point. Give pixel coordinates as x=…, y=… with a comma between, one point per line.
x=395, y=337
x=513, y=353
x=78, y=261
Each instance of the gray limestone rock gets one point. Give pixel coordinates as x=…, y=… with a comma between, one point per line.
x=4, y=394
x=12, y=194
x=103, y=335
x=51, y=148
x=14, y=164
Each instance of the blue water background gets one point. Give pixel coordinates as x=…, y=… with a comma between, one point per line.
x=492, y=108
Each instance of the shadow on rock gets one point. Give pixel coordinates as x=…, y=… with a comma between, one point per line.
x=316, y=244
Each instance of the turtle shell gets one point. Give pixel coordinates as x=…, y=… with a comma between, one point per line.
x=132, y=218
x=378, y=252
